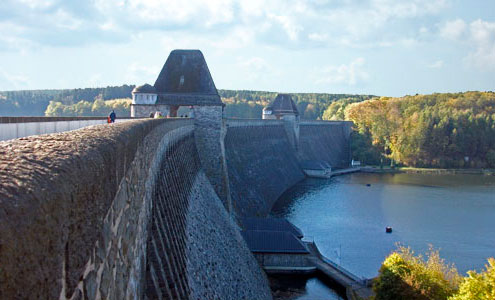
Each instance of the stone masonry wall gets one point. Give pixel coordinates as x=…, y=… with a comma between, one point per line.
x=117, y=266
x=55, y=192
x=144, y=110
x=120, y=211
x=219, y=267
x=194, y=250
x=329, y=141
x=261, y=164
x=210, y=134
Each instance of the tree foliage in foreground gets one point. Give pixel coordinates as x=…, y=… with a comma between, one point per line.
x=406, y=276
x=403, y=275
x=478, y=286
x=438, y=130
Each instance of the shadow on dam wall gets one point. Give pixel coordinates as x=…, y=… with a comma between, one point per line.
x=261, y=166
x=194, y=250
x=328, y=141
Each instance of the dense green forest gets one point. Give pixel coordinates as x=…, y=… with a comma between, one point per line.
x=249, y=104
x=74, y=102
x=438, y=130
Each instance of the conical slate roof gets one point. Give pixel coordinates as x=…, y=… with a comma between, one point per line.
x=283, y=104
x=186, y=80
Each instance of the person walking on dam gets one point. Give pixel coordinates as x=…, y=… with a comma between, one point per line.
x=111, y=117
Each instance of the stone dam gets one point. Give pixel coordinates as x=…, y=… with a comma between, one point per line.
x=148, y=208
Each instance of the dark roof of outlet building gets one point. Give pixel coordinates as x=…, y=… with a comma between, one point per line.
x=259, y=241
x=145, y=88
x=186, y=80
x=283, y=104
x=270, y=224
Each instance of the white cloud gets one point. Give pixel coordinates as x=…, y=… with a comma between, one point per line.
x=36, y=4
x=479, y=35
x=291, y=28
x=482, y=34
x=350, y=74
x=137, y=71
x=401, y=8
x=65, y=20
x=255, y=63
x=436, y=65
x=453, y=29
x=423, y=30
x=318, y=37
x=297, y=23
x=256, y=69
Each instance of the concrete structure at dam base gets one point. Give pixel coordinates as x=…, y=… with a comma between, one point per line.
x=148, y=209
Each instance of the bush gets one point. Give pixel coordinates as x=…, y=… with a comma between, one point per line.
x=478, y=286
x=406, y=276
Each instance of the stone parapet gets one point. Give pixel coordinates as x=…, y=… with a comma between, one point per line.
x=55, y=193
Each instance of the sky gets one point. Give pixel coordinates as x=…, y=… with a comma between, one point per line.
x=378, y=47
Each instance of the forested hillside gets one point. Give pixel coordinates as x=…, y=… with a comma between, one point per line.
x=35, y=102
x=78, y=102
x=86, y=108
x=249, y=104
x=438, y=130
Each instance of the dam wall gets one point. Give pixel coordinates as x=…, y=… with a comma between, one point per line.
x=195, y=250
x=261, y=164
x=118, y=211
x=325, y=140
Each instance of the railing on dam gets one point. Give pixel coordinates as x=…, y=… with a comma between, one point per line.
x=17, y=127
x=252, y=122
x=326, y=122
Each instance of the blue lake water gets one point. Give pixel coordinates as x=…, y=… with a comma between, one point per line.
x=347, y=218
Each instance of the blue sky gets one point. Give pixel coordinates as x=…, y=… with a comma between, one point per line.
x=381, y=47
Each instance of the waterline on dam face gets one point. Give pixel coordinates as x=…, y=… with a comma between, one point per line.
x=347, y=219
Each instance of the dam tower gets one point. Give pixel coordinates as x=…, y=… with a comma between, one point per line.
x=185, y=80
x=284, y=108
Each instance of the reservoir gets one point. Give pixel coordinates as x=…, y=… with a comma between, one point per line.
x=346, y=216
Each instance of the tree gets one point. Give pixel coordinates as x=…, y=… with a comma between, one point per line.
x=478, y=286
x=403, y=275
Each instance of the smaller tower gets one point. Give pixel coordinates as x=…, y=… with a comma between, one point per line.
x=143, y=101
x=283, y=107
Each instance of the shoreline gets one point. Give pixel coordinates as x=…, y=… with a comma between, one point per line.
x=488, y=172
